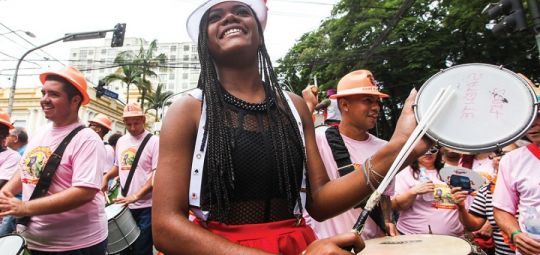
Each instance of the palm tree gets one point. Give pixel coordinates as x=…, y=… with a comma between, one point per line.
x=147, y=60
x=126, y=73
x=158, y=99
x=136, y=67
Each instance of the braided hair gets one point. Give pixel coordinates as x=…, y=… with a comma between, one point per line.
x=219, y=162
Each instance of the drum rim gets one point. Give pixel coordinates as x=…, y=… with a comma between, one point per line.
x=24, y=243
x=124, y=207
x=480, y=149
x=421, y=236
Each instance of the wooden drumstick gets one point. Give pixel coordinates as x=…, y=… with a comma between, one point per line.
x=438, y=103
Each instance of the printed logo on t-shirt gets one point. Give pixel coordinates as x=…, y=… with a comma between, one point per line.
x=442, y=197
x=126, y=158
x=33, y=164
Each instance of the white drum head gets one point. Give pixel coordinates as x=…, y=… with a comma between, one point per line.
x=11, y=244
x=491, y=107
x=113, y=210
x=417, y=244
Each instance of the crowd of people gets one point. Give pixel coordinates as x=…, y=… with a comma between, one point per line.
x=240, y=168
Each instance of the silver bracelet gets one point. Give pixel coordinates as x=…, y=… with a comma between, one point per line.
x=371, y=170
x=366, y=174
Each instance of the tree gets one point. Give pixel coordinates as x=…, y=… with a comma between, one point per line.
x=158, y=99
x=148, y=60
x=126, y=73
x=136, y=67
x=402, y=48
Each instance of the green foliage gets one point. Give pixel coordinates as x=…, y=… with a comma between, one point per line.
x=135, y=67
x=430, y=36
x=158, y=99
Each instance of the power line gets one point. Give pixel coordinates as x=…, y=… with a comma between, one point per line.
x=33, y=45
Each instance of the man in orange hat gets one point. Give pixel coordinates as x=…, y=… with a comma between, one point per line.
x=8, y=167
x=101, y=124
x=350, y=143
x=67, y=213
x=136, y=174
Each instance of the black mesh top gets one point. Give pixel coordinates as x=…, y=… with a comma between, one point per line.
x=256, y=197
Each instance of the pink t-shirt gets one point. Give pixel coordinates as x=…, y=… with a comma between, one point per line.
x=518, y=187
x=359, y=152
x=109, y=159
x=126, y=148
x=484, y=165
x=9, y=160
x=438, y=213
x=81, y=166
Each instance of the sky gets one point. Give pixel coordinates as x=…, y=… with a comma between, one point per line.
x=163, y=20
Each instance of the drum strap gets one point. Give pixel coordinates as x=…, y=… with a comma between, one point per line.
x=343, y=159
x=125, y=187
x=45, y=178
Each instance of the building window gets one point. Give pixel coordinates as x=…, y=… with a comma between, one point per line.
x=103, y=51
x=186, y=47
x=173, y=58
x=186, y=57
x=84, y=54
x=90, y=52
x=173, y=48
x=74, y=54
x=194, y=57
x=171, y=77
x=194, y=48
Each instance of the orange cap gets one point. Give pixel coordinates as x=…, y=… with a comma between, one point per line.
x=4, y=119
x=102, y=120
x=132, y=110
x=359, y=82
x=73, y=76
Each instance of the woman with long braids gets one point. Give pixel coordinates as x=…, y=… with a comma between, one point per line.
x=233, y=153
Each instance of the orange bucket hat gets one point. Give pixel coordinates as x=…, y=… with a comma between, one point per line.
x=132, y=110
x=359, y=82
x=102, y=120
x=4, y=120
x=73, y=76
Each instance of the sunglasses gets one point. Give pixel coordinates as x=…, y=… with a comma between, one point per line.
x=432, y=150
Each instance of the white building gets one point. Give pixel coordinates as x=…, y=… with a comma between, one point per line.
x=180, y=73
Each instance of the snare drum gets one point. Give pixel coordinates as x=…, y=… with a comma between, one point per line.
x=491, y=107
x=417, y=244
x=13, y=245
x=123, y=229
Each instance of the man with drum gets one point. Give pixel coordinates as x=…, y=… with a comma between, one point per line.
x=517, y=191
x=137, y=189
x=101, y=124
x=8, y=166
x=67, y=215
x=358, y=101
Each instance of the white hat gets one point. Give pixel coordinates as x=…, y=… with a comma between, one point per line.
x=194, y=19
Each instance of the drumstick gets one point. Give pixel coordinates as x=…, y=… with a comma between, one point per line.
x=106, y=197
x=438, y=103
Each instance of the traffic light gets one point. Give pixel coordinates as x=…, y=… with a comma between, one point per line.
x=100, y=90
x=509, y=15
x=118, y=35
